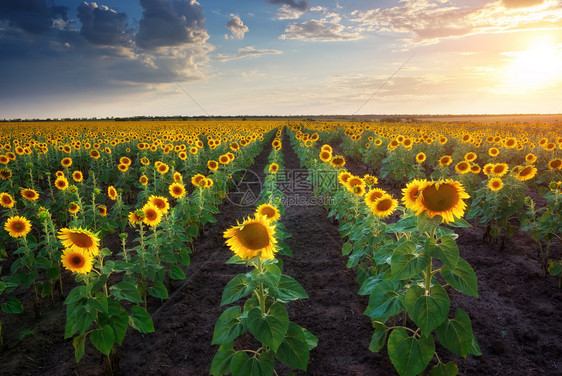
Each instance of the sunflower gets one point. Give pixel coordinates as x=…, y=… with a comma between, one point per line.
x=77, y=261
x=5, y=173
x=251, y=238
x=102, y=210
x=4, y=159
x=152, y=215
x=136, y=216
x=462, y=167
x=493, y=152
x=445, y=160
x=212, y=165
x=112, y=193
x=412, y=192
x=276, y=144
x=193, y=150
x=384, y=206
x=337, y=161
x=122, y=167
x=79, y=239
x=273, y=168
x=444, y=198
x=177, y=177
x=495, y=184
x=177, y=190
x=555, y=164
x=143, y=180
x=66, y=162
x=499, y=169
x=223, y=159
x=526, y=173
x=327, y=148
x=61, y=183
x=6, y=200
x=145, y=161
x=29, y=194
x=163, y=168
x=354, y=181
x=94, y=154
x=77, y=176
x=421, y=157
x=196, y=180
x=487, y=169
x=325, y=156
x=17, y=226
x=358, y=190
x=475, y=169
x=208, y=183
x=373, y=195
x=343, y=177
x=470, y=156
x=270, y=212
x=160, y=202
x=370, y=180
x=73, y=208
x=125, y=160
x=530, y=158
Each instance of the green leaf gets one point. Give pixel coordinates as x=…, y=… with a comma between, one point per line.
x=79, y=343
x=459, y=223
x=270, y=276
x=311, y=339
x=405, y=263
x=221, y=362
x=241, y=365
x=77, y=293
x=12, y=305
x=141, y=320
x=456, y=334
x=449, y=369
x=294, y=350
x=271, y=328
x=379, y=337
x=46, y=289
x=228, y=326
x=103, y=339
x=384, y=301
x=461, y=278
x=346, y=248
x=369, y=285
x=427, y=311
x=183, y=257
x=288, y=289
x=426, y=224
x=176, y=272
x=158, y=290
x=409, y=355
x=447, y=250
x=120, y=323
x=126, y=291
x=99, y=303
x=237, y=288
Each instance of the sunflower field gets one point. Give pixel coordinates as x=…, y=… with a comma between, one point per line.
x=280, y=247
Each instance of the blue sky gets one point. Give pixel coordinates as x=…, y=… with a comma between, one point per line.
x=65, y=58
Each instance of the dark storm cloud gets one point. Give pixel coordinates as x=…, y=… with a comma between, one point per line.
x=167, y=23
x=33, y=16
x=103, y=26
x=521, y=3
x=299, y=5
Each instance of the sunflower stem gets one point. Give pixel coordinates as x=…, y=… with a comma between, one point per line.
x=428, y=275
x=261, y=297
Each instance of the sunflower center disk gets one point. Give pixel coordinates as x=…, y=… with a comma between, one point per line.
x=440, y=200
x=77, y=261
x=81, y=240
x=268, y=212
x=384, y=205
x=254, y=236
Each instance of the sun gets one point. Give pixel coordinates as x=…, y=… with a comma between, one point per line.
x=537, y=67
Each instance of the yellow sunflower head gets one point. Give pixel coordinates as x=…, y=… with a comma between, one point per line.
x=212, y=165
x=122, y=167
x=493, y=152
x=370, y=180
x=177, y=177
x=325, y=155
x=444, y=198
x=462, y=167
x=273, y=168
x=343, y=177
x=197, y=179
x=17, y=226
x=61, y=183
x=421, y=157
x=77, y=261
x=526, y=173
x=255, y=237
x=358, y=190
x=445, y=160
x=499, y=169
x=163, y=168
x=152, y=215
x=160, y=202
x=143, y=180
x=530, y=158
x=495, y=184
x=373, y=195
x=112, y=192
x=555, y=164
x=79, y=239
x=77, y=176
x=177, y=190
x=270, y=212
x=412, y=192
x=327, y=148
x=470, y=156
x=337, y=161
x=73, y=208
x=384, y=206
x=102, y=210
x=136, y=216
x=6, y=200
x=355, y=181
x=5, y=173
x=66, y=162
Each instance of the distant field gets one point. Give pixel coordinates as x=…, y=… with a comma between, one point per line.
x=550, y=118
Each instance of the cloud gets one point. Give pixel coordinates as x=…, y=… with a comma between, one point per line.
x=236, y=27
x=300, y=5
x=321, y=31
x=248, y=52
x=429, y=20
x=103, y=26
x=33, y=16
x=168, y=23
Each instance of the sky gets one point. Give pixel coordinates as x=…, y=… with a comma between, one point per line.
x=115, y=58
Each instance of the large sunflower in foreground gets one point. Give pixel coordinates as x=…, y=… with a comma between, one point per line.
x=160, y=202
x=77, y=261
x=412, y=192
x=17, y=226
x=79, y=239
x=152, y=215
x=444, y=198
x=251, y=238
x=269, y=211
